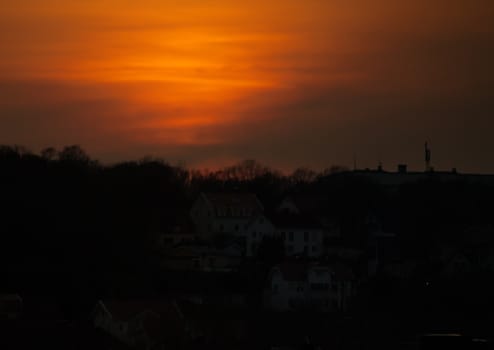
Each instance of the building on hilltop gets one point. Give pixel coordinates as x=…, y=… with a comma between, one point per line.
x=222, y=213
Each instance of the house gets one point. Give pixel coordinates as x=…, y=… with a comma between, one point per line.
x=301, y=234
x=10, y=306
x=142, y=324
x=224, y=213
x=256, y=230
x=300, y=286
x=313, y=206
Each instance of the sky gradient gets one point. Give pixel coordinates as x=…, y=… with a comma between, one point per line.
x=289, y=83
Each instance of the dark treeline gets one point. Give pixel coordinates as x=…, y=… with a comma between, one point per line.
x=73, y=228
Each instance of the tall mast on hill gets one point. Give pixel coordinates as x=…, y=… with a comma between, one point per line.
x=427, y=154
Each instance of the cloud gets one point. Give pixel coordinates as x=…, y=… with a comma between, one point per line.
x=288, y=83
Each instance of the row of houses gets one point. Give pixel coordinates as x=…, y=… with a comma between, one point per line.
x=241, y=223
x=178, y=323
x=243, y=216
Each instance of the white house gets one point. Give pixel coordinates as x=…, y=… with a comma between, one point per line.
x=257, y=229
x=141, y=324
x=10, y=306
x=222, y=213
x=300, y=286
x=314, y=207
x=301, y=234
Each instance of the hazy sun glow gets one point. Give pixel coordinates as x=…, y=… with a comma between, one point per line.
x=158, y=74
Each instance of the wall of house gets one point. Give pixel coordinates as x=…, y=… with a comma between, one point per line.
x=285, y=295
x=302, y=241
x=208, y=222
x=230, y=225
x=258, y=228
x=116, y=328
x=130, y=333
x=319, y=291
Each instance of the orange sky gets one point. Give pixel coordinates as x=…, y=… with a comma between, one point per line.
x=286, y=82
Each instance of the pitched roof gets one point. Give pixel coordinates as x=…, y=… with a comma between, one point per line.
x=127, y=309
x=162, y=319
x=233, y=202
x=308, y=203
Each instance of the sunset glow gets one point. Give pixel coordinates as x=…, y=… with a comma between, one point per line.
x=208, y=80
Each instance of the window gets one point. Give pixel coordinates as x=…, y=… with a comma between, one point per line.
x=254, y=234
x=290, y=236
x=236, y=227
x=289, y=248
x=261, y=220
x=306, y=236
x=306, y=250
x=314, y=236
x=275, y=288
x=300, y=288
x=283, y=235
x=211, y=261
x=221, y=227
x=314, y=249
